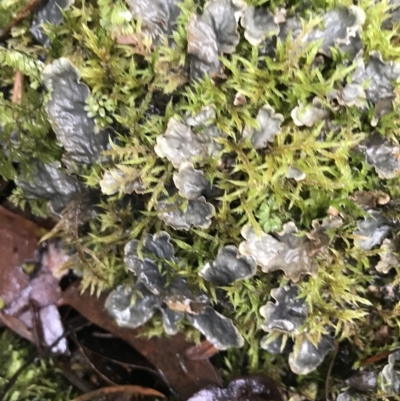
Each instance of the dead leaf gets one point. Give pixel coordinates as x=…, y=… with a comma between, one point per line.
x=19, y=239
x=29, y=302
x=204, y=350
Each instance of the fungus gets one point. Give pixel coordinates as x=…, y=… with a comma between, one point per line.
x=240, y=100
x=365, y=380
x=287, y=314
x=67, y=114
x=180, y=144
x=119, y=305
x=290, y=26
x=288, y=252
x=350, y=396
x=320, y=232
x=205, y=117
x=370, y=199
x=394, y=14
x=133, y=315
x=228, y=267
x=382, y=108
x=154, y=248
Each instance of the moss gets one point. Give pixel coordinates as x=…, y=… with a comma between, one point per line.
x=137, y=90
x=39, y=380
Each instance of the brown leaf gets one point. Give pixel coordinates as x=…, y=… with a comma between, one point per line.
x=184, y=376
x=46, y=223
x=370, y=199
x=18, y=242
x=22, y=295
x=204, y=350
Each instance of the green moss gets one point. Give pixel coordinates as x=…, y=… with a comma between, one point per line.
x=137, y=91
x=39, y=380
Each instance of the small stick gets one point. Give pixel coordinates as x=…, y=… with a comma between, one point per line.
x=104, y=377
x=18, y=86
x=130, y=40
x=81, y=384
x=328, y=375
x=17, y=89
x=25, y=12
x=144, y=391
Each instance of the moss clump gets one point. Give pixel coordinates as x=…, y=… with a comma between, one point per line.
x=136, y=89
x=38, y=380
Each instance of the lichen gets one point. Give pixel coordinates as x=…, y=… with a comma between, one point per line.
x=173, y=299
x=287, y=314
x=228, y=267
x=289, y=253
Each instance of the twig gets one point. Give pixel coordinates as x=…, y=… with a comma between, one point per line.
x=130, y=366
x=37, y=330
x=130, y=40
x=376, y=358
x=104, y=377
x=18, y=86
x=145, y=391
x=328, y=375
x=25, y=12
x=97, y=334
x=81, y=384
